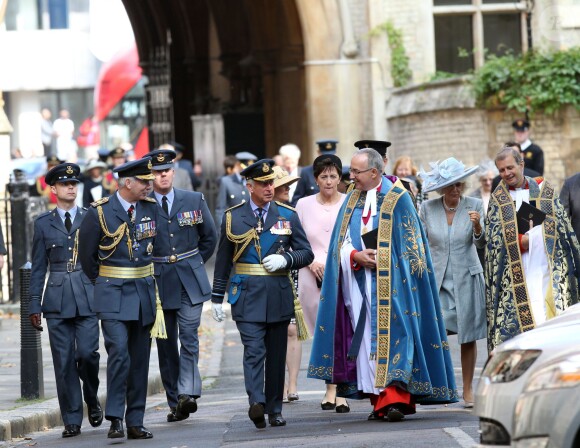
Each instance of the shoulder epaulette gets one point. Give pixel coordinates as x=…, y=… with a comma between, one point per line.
x=100, y=202
x=150, y=199
x=282, y=204
x=43, y=214
x=235, y=206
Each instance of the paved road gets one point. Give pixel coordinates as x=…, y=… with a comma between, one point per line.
x=222, y=418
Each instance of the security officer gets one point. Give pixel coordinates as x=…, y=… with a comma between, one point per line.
x=533, y=154
x=232, y=190
x=264, y=241
x=116, y=253
x=186, y=239
x=307, y=184
x=68, y=307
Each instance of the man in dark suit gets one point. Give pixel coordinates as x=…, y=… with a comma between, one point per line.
x=570, y=197
x=232, y=190
x=186, y=239
x=68, y=306
x=307, y=185
x=116, y=253
x=533, y=154
x=263, y=240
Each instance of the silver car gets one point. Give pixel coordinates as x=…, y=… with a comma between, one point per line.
x=547, y=412
x=508, y=370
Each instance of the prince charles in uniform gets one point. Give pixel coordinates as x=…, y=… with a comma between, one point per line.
x=262, y=240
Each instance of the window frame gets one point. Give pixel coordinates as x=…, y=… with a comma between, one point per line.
x=477, y=9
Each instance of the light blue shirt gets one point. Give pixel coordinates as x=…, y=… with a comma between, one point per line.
x=72, y=211
x=265, y=209
x=170, y=197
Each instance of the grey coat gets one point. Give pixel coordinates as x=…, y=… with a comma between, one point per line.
x=456, y=251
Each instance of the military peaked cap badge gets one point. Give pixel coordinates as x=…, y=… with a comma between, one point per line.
x=160, y=158
x=265, y=167
x=69, y=170
x=329, y=146
x=149, y=165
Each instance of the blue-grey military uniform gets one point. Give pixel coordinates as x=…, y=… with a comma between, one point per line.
x=262, y=317
x=232, y=191
x=126, y=306
x=68, y=307
x=186, y=239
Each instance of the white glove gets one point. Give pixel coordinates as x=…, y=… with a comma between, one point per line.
x=217, y=312
x=274, y=262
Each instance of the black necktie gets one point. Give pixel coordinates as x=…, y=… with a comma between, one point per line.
x=130, y=211
x=67, y=221
x=164, y=205
x=260, y=212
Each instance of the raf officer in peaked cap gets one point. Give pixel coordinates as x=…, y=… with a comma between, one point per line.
x=116, y=253
x=232, y=190
x=67, y=304
x=307, y=184
x=186, y=239
x=533, y=154
x=262, y=240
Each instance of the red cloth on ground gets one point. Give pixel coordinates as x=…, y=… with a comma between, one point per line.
x=393, y=395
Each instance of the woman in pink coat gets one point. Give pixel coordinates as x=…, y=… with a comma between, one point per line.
x=317, y=215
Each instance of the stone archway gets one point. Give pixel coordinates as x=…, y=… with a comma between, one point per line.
x=242, y=59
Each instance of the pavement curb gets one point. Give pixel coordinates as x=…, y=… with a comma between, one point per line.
x=46, y=414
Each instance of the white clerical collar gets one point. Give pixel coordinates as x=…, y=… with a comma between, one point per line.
x=525, y=145
x=371, y=201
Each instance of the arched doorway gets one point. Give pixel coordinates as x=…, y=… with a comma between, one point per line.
x=241, y=59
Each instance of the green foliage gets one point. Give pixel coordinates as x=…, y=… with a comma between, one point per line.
x=535, y=81
x=439, y=75
x=400, y=71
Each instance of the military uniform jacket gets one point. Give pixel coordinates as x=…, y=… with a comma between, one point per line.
x=232, y=191
x=120, y=298
x=189, y=226
x=261, y=298
x=306, y=185
x=53, y=250
x=534, y=158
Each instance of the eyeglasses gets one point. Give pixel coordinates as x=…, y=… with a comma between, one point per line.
x=356, y=172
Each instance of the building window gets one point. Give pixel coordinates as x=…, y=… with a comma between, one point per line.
x=467, y=30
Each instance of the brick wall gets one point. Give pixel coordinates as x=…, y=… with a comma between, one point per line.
x=435, y=129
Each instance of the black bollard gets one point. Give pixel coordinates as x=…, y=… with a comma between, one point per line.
x=18, y=189
x=31, y=373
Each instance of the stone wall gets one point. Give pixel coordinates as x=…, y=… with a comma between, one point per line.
x=439, y=120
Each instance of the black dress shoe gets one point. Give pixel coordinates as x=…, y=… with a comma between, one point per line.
x=256, y=414
x=95, y=415
x=71, y=430
x=138, y=432
x=116, y=430
x=276, y=419
x=173, y=416
x=185, y=405
x=374, y=416
x=394, y=414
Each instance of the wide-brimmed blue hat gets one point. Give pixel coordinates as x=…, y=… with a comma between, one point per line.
x=445, y=173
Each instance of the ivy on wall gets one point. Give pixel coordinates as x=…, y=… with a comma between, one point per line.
x=400, y=70
x=534, y=81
